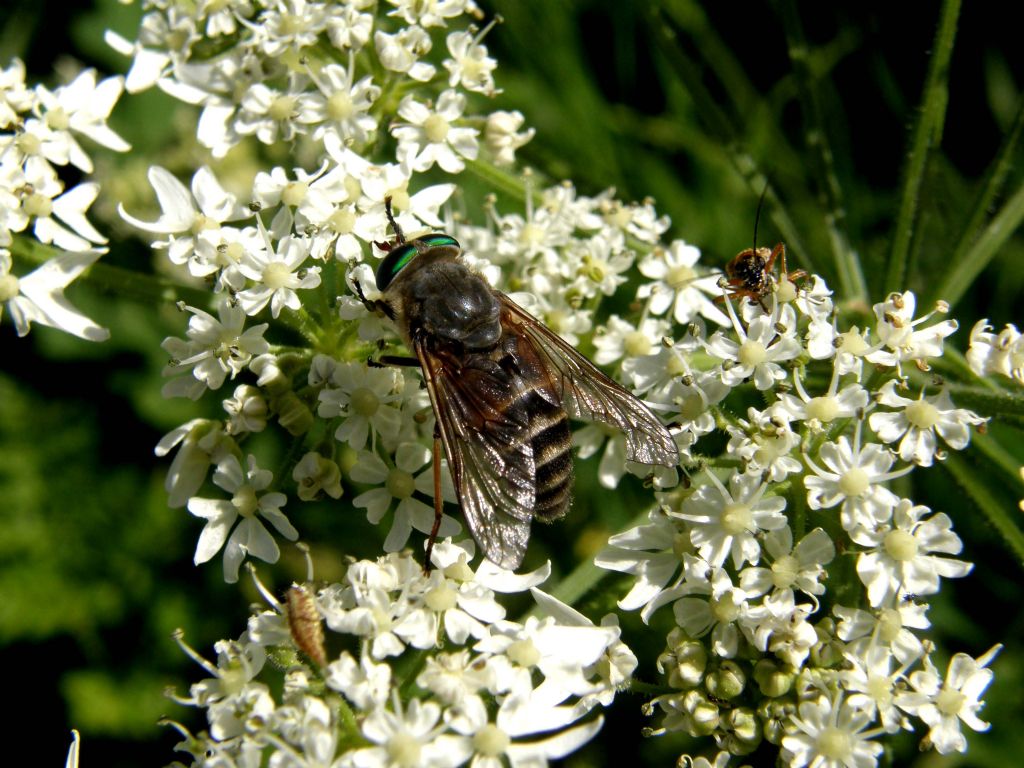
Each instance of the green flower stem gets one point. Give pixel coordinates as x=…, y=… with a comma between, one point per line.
x=510, y=183
x=997, y=513
x=927, y=135
x=1007, y=158
x=300, y=320
x=851, y=276
x=349, y=725
x=1005, y=460
x=967, y=267
x=649, y=689
x=667, y=23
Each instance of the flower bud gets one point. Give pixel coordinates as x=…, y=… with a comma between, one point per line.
x=702, y=714
x=727, y=682
x=743, y=731
x=772, y=678
x=293, y=414
x=776, y=719
x=684, y=662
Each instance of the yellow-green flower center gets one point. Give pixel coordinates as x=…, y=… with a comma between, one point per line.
x=342, y=221
x=900, y=545
x=752, y=353
x=950, y=702
x=37, y=205
x=636, y=344
x=523, y=652
x=245, y=501
x=784, y=571
x=922, y=414
x=339, y=106
x=490, y=741
x=854, y=481
x=282, y=108
x=441, y=598
x=678, y=276
x=364, y=401
x=824, y=409
x=9, y=287
x=294, y=193
x=724, y=609
x=400, y=484
x=404, y=750
x=736, y=518
x=276, y=275
x=436, y=129
x=834, y=744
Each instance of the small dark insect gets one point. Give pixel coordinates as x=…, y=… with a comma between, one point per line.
x=750, y=274
x=503, y=387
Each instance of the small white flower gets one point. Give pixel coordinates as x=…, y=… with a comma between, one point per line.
x=399, y=483
x=758, y=353
x=502, y=136
x=470, y=66
x=944, y=704
x=765, y=443
x=725, y=522
x=406, y=737
x=38, y=297
x=891, y=628
x=800, y=567
x=247, y=410
x=429, y=136
x=854, y=481
x=831, y=733
x=905, y=559
x=919, y=420
x=401, y=52
x=896, y=331
x=723, y=611
x=677, y=285
x=215, y=349
x=184, y=213
x=365, y=683
x=249, y=537
x=278, y=273
x=652, y=553
x=621, y=338
x=367, y=399
x=996, y=353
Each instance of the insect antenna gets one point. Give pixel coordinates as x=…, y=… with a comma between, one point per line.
x=757, y=216
x=399, y=235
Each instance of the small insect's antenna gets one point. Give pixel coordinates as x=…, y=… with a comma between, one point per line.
x=399, y=235
x=757, y=216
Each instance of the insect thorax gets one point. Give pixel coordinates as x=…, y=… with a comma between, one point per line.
x=448, y=301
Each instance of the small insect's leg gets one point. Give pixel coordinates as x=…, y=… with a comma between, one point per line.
x=399, y=360
x=777, y=252
x=438, y=501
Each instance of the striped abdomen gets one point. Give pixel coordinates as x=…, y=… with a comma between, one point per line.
x=552, y=455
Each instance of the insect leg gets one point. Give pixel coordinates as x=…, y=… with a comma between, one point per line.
x=438, y=501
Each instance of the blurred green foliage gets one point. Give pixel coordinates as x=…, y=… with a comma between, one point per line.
x=831, y=107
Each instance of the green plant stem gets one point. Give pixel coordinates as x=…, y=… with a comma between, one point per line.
x=851, y=276
x=1006, y=159
x=967, y=268
x=927, y=134
x=998, y=515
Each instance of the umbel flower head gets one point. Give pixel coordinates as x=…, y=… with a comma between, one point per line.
x=792, y=560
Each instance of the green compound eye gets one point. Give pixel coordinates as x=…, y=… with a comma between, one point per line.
x=439, y=241
x=393, y=263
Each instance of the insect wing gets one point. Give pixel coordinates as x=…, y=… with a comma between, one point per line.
x=490, y=461
x=590, y=394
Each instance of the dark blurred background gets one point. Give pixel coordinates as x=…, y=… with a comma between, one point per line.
x=96, y=572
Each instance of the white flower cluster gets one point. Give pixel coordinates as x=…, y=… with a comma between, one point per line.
x=768, y=645
x=493, y=692
x=39, y=136
x=755, y=654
